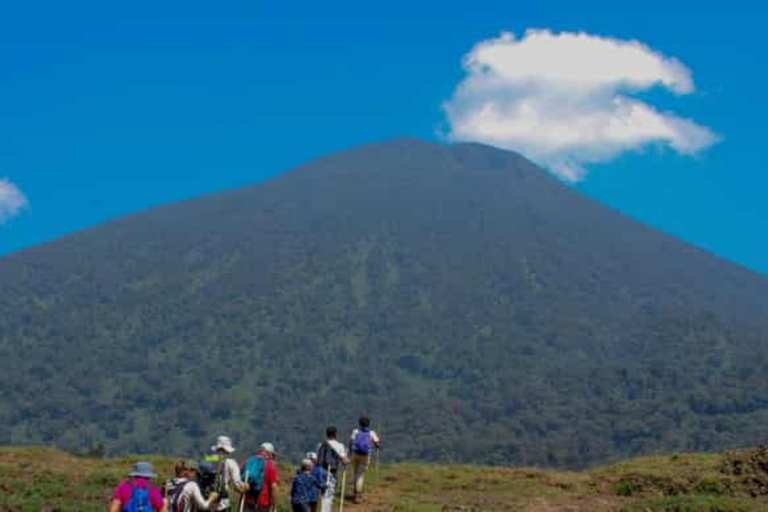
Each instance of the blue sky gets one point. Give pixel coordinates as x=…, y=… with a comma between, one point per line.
x=110, y=108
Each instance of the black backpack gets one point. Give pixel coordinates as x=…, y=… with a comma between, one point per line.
x=211, y=477
x=327, y=457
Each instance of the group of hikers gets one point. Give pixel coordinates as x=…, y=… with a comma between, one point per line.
x=218, y=482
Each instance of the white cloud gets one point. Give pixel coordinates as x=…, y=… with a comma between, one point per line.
x=565, y=101
x=12, y=200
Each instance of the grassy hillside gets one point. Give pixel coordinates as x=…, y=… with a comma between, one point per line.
x=43, y=479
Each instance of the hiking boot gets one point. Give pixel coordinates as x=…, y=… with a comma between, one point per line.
x=356, y=499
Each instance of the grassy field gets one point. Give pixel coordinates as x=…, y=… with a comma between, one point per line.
x=43, y=479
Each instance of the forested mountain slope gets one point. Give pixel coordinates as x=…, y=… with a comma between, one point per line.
x=486, y=311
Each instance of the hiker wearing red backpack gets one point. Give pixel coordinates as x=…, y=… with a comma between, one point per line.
x=261, y=475
x=361, y=444
x=138, y=492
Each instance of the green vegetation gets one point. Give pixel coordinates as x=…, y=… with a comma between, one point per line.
x=484, y=311
x=34, y=479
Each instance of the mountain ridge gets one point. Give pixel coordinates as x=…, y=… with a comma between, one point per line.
x=490, y=312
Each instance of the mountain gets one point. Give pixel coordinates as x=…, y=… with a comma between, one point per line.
x=479, y=309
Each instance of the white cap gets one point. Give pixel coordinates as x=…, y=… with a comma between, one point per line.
x=223, y=443
x=311, y=456
x=268, y=447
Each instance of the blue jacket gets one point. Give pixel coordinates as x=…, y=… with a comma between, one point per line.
x=304, y=488
x=321, y=477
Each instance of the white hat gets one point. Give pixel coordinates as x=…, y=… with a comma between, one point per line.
x=311, y=456
x=268, y=447
x=223, y=443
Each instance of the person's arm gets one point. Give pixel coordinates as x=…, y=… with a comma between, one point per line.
x=272, y=478
x=375, y=439
x=115, y=506
x=199, y=502
x=273, y=495
x=235, y=477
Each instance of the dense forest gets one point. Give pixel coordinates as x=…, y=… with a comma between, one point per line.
x=477, y=308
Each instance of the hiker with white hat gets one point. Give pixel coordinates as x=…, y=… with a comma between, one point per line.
x=263, y=477
x=138, y=491
x=187, y=496
x=220, y=473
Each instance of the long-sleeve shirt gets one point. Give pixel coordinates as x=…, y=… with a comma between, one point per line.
x=232, y=479
x=304, y=488
x=191, y=499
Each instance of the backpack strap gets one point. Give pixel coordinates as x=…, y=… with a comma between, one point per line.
x=174, y=503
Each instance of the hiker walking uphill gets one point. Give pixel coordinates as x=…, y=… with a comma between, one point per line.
x=187, y=496
x=221, y=473
x=180, y=476
x=262, y=476
x=305, y=488
x=138, y=492
x=321, y=478
x=362, y=443
x=332, y=456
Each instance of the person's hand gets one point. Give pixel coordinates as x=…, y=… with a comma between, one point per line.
x=214, y=497
x=246, y=487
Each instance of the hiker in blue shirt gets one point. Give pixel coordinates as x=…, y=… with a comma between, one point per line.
x=321, y=478
x=304, y=488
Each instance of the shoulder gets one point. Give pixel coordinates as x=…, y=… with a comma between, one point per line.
x=123, y=491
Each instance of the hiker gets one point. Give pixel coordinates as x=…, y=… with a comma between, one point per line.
x=187, y=497
x=180, y=475
x=321, y=477
x=362, y=442
x=262, y=477
x=221, y=473
x=138, y=492
x=331, y=455
x=304, y=489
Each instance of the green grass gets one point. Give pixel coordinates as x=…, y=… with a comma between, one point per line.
x=44, y=479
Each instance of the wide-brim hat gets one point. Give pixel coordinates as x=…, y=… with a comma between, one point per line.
x=223, y=443
x=143, y=470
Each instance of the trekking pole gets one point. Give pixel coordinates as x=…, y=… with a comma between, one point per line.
x=343, y=488
x=242, y=495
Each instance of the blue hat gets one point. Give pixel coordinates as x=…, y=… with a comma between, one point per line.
x=143, y=470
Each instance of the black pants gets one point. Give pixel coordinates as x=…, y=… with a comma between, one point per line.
x=300, y=507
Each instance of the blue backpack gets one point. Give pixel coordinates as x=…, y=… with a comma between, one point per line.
x=139, y=500
x=255, y=467
x=363, y=443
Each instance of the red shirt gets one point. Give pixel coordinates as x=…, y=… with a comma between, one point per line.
x=124, y=492
x=271, y=476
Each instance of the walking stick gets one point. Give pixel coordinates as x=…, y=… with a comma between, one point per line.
x=343, y=488
x=242, y=495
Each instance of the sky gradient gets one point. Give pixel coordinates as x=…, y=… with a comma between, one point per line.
x=107, y=109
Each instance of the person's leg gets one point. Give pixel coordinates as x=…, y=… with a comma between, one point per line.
x=313, y=507
x=360, y=463
x=327, y=505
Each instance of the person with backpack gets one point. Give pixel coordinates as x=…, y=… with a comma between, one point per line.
x=180, y=475
x=187, y=496
x=221, y=473
x=321, y=477
x=262, y=479
x=362, y=442
x=332, y=456
x=304, y=489
x=138, y=493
